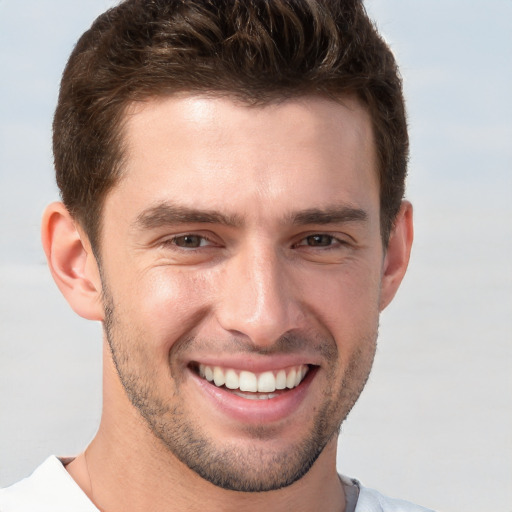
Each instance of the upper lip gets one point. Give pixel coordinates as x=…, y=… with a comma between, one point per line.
x=256, y=364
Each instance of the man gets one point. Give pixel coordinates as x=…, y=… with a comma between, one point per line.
x=232, y=177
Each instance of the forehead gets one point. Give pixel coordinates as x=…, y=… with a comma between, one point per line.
x=221, y=153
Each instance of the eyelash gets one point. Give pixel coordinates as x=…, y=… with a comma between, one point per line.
x=173, y=241
x=333, y=241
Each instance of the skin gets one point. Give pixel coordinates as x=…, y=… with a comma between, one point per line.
x=287, y=268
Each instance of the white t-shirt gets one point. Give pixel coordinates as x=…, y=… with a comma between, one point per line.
x=51, y=489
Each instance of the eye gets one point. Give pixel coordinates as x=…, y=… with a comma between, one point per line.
x=324, y=248
x=189, y=241
x=319, y=240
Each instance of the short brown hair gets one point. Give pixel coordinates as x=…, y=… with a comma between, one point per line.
x=255, y=50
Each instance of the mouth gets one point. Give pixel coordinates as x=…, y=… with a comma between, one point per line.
x=255, y=393
x=265, y=385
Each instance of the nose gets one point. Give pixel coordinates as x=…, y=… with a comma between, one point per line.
x=258, y=299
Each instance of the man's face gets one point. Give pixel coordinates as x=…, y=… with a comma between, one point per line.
x=241, y=265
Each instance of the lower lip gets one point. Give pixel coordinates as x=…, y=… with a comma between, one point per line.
x=256, y=411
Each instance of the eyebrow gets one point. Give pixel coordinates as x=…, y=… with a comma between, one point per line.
x=330, y=215
x=166, y=214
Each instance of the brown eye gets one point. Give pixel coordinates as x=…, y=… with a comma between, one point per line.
x=189, y=241
x=319, y=240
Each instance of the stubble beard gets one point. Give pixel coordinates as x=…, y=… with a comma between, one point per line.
x=250, y=468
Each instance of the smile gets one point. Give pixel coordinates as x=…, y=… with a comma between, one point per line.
x=245, y=383
x=254, y=396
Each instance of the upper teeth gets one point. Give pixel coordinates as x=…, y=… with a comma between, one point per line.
x=266, y=382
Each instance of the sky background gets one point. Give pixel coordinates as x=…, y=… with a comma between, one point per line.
x=435, y=423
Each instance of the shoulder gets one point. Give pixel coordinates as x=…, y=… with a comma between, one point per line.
x=370, y=500
x=48, y=489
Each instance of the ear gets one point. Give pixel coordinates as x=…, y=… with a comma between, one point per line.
x=397, y=254
x=72, y=262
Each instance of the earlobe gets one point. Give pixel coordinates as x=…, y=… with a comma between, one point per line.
x=72, y=262
x=397, y=255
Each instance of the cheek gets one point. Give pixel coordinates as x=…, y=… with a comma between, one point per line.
x=347, y=302
x=167, y=304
